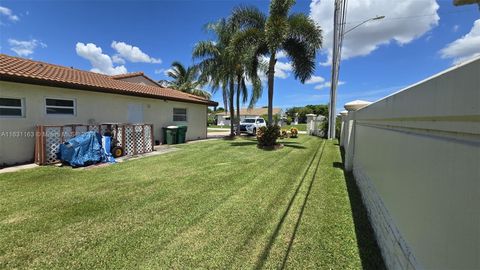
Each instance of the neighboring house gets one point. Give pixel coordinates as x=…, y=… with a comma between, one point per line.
x=36, y=93
x=223, y=118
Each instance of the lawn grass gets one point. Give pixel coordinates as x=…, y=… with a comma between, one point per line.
x=215, y=204
x=300, y=127
x=215, y=126
x=216, y=130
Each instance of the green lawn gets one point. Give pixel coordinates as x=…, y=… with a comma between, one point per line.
x=216, y=130
x=215, y=126
x=300, y=127
x=214, y=204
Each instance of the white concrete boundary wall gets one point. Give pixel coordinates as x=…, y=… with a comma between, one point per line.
x=416, y=158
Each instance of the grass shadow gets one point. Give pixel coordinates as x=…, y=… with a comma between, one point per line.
x=367, y=243
x=299, y=219
x=243, y=143
x=263, y=257
x=338, y=165
x=295, y=145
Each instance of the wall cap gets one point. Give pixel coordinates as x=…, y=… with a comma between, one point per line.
x=356, y=105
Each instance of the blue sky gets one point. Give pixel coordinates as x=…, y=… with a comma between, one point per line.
x=416, y=39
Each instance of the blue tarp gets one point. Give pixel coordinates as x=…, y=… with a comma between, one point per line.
x=83, y=150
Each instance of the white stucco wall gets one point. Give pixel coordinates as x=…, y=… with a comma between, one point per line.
x=90, y=107
x=416, y=158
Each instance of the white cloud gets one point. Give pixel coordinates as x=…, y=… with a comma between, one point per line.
x=159, y=71
x=118, y=60
x=315, y=79
x=101, y=63
x=465, y=47
x=133, y=53
x=282, y=69
x=164, y=71
x=25, y=47
x=326, y=85
x=281, y=54
x=368, y=37
x=9, y=14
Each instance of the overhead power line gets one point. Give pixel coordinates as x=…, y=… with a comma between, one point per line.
x=421, y=15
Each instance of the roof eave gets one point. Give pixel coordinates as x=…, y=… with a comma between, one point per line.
x=48, y=82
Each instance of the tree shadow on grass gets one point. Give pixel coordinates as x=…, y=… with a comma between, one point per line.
x=263, y=257
x=295, y=145
x=367, y=243
x=243, y=143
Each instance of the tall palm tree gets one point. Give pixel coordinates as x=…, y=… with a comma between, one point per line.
x=246, y=70
x=296, y=34
x=225, y=66
x=216, y=63
x=186, y=80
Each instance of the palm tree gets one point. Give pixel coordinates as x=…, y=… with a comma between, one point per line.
x=296, y=34
x=246, y=70
x=216, y=63
x=225, y=66
x=186, y=80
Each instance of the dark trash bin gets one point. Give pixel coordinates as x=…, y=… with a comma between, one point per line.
x=172, y=134
x=182, y=134
x=164, y=135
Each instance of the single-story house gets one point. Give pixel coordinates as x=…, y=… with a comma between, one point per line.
x=223, y=118
x=37, y=93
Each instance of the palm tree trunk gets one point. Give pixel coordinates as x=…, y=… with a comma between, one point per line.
x=238, y=103
x=271, y=77
x=225, y=99
x=232, y=111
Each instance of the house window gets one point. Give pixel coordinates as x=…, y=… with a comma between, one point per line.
x=55, y=106
x=179, y=114
x=12, y=107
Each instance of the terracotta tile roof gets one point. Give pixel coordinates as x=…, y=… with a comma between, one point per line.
x=253, y=111
x=128, y=75
x=134, y=74
x=18, y=69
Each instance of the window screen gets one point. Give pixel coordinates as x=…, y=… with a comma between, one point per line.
x=11, y=107
x=60, y=106
x=179, y=114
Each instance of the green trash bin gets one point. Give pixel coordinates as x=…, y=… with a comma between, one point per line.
x=172, y=134
x=164, y=135
x=182, y=134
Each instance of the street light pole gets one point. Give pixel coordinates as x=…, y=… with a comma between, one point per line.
x=371, y=19
x=339, y=17
x=338, y=34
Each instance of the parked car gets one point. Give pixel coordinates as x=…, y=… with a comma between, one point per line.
x=251, y=125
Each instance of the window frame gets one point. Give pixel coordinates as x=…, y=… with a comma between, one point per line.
x=186, y=115
x=22, y=108
x=74, y=107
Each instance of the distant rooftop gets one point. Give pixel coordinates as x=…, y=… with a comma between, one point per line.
x=253, y=111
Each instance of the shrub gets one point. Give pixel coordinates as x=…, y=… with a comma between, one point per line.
x=288, y=120
x=267, y=136
x=294, y=132
x=324, y=129
x=211, y=120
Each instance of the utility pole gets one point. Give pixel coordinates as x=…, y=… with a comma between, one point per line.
x=339, y=18
x=339, y=22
